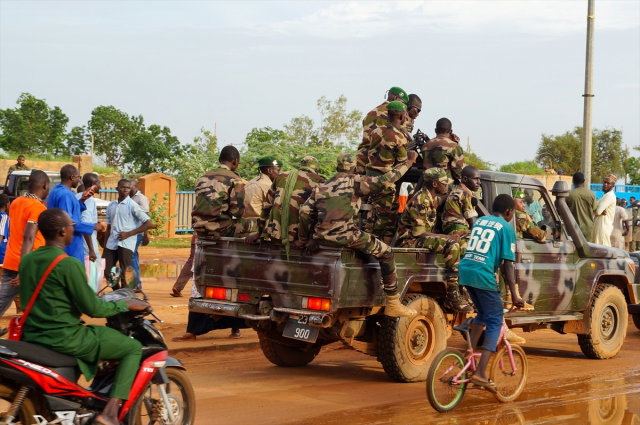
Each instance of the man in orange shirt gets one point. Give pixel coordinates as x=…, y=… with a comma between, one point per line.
x=25, y=237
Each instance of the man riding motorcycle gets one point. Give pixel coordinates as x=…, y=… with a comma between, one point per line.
x=54, y=321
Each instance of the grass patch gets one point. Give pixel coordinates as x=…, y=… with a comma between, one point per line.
x=63, y=158
x=179, y=242
x=104, y=169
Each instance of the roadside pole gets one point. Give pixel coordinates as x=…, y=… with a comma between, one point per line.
x=588, y=97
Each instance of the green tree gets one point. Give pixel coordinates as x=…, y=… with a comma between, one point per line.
x=336, y=124
x=76, y=141
x=607, y=154
x=195, y=159
x=149, y=149
x=471, y=158
x=33, y=128
x=261, y=142
x=521, y=167
x=113, y=131
x=633, y=169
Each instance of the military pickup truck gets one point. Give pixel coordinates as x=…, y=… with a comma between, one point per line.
x=300, y=303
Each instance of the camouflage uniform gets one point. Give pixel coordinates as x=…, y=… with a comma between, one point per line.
x=332, y=210
x=444, y=153
x=377, y=117
x=526, y=226
x=420, y=217
x=457, y=210
x=219, y=203
x=269, y=222
x=255, y=194
x=634, y=245
x=388, y=148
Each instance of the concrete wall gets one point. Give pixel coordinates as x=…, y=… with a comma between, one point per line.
x=161, y=184
x=548, y=180
x=84, y=163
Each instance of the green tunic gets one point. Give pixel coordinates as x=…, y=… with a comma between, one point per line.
x=54, y=320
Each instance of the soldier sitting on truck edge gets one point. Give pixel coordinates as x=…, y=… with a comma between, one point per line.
x=416, y=227
x=257, y=189
x=377, y=117
x=459, y=210
x=526, y=226
x=332, y=210
x=414, y=107
x=387, y=148
x=291, y=188
x=444, y=151
x=220, y=198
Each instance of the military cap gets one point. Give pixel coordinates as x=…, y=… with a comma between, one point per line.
x=310, y=161
x=437, y=174
x=396, y=106
x=400, y=93
x=346, y=162
x=269, y=161
x=518, y=194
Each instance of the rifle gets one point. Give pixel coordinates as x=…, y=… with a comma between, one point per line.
x=419, y=139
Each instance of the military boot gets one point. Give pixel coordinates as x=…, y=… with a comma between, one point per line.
x=455, y=301
x=395, y=308
x=513, y=338
x=509, y=304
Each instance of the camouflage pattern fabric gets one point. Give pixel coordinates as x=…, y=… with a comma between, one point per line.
x=384, y=217
x=457, y=210
x=219, y=203
x=525, y=226
x=407, y=126
x=387, y=148
x=448, y=248
x=444, y=153
x=269, y=222
x=377, y=117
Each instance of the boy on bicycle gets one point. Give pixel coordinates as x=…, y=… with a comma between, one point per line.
x=492, y=245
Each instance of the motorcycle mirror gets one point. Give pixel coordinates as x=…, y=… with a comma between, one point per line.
x=114, y=276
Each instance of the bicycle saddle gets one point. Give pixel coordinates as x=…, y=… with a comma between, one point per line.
x=464, y=327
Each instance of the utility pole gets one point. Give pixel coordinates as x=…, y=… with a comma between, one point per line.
x=215, y=130
x=92, y=145
x=588, y=97
x=468, y=144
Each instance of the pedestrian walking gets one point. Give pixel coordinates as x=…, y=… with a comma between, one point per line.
x=620, y=226
x=187, y=270
x=23, y=228
x=143, y=238
x=605, y=213
x=582, y=203
x=125, y=220
x=634, y=245
x=63, y=197
x=629, y=210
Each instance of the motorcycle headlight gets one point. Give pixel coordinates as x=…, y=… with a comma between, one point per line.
x=157, y=335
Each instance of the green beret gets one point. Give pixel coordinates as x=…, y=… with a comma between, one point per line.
x=346, y=162
x=437, y=174
x=269, y=161
x=518, y=194
x=400, y=93
x=311, y=162
x=396, y=106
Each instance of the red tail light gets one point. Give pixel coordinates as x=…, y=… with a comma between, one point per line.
x=244, y=297
x=316, y=304
x=216, y=293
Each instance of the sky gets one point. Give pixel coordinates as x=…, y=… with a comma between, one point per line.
x=504, y=72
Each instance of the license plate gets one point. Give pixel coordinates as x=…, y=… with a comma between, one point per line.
x=299, y=328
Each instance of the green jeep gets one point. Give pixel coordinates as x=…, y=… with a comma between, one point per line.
x=300, y=303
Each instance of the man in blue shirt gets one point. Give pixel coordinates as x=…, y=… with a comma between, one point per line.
x=4, y=225
x=62, y=197
x=90, y=215
x=125, y=220
x=492, y=245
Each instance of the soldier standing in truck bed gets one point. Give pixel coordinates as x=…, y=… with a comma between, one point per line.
x=417, y=227
x=291, y=189
x=257, y=189
x=459, y=210
x=525, y=224
x=220, y=198
x=444, y=151
x=387, y=149
x=374, y=119
x=414, y=106
x=332, y=211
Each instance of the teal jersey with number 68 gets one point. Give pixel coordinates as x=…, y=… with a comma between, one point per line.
x=492, y=240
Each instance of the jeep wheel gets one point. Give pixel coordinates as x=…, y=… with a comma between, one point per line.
x=406, y=345
x=636, y=320
x=607, y=324
x=285, y=355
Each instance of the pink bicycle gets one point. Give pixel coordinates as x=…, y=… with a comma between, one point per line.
x=450, y=372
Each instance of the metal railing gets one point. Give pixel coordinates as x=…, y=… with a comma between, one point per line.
x=108, y=194
x=618, y=188
x=185, y=200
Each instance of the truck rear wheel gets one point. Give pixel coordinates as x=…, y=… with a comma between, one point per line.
x=406, y=345
x=607, y=325
x=285, y=355
x=636, y=320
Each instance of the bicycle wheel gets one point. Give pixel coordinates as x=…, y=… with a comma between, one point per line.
x=443, y=395
x=509, y=384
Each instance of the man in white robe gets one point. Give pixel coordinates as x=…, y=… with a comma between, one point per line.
x=603, y=220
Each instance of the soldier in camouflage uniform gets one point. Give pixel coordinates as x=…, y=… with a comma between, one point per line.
x=220, y=198
x=270, y=222
x=387, y=149
x=374, y=119
x=459, y=210
x=414, y=106
x=332, y=211
x=525, y=225
x=444, y=151
x=416, y=231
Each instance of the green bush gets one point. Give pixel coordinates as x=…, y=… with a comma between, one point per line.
x=159, y=214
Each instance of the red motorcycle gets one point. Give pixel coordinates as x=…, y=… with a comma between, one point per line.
x=40, y=386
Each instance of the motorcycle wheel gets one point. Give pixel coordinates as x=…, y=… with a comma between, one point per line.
x=27, y=410
x=149, y=408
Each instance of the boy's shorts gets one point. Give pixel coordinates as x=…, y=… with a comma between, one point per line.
x=490, y=314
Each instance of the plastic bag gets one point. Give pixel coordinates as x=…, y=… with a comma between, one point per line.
x=95, y=272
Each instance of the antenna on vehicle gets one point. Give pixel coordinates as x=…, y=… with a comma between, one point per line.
x=528, y=166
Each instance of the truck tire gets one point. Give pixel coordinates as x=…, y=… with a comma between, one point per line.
x=406, y=345
x=607, y=324
x=636, y=320
x=287, y=356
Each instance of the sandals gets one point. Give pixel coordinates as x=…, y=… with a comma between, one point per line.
x=183, y=338
x=488, y=385
x=175, y=293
